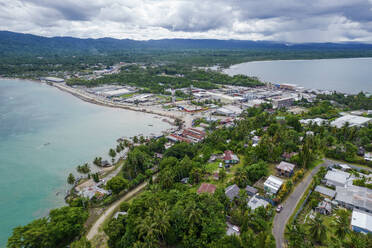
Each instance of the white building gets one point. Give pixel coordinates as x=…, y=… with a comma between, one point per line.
x=353, y=120
x=336, y=177
x=361, y=221
x=273, y=184
x=256, y=202
x=229, y=110
x=53, y=79
x=354, y=197
x=318, y=121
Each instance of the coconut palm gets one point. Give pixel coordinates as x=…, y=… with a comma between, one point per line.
x=356, y=240
x=317, y=229
x=341, y=224
x=148, y=231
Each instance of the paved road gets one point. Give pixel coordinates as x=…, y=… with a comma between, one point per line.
x=290, y=204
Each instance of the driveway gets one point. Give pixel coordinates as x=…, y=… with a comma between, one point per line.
x=281, y=219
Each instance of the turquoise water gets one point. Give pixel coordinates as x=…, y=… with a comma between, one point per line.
x=344, y=75
x=31, y=173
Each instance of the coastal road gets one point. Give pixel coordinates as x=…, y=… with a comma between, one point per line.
x=281, y=219
x=95, y=229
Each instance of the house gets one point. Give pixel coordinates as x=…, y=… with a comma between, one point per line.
x=117, y=214
x=361, y=222
x=344, y=167
x=232, y=229
x=232, y=191
x=354, y=197
x=105, y=163
x=324, y=207
x=352, y=120
x=368, y=156
x=325, y=191
x=285, y=168
x=251, y=191
x=336, y=177
x=94, y=191
x=207, y=188
x=185, y=180
x=288, y=155
x=256, y=202
x=230, y=158
x=158, y=155
x=273, y=184
x=255, y=140
x=318, y=121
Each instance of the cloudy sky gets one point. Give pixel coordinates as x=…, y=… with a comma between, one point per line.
x=280, y=20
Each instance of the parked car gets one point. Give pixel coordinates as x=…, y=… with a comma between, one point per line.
x=279, y=208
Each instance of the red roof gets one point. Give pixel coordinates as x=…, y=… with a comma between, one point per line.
x=228, y=155
x=207, y=188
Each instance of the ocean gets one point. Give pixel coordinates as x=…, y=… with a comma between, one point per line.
x=344, y=75
x=44, y=134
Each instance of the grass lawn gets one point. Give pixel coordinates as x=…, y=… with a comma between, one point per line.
x=212, y=167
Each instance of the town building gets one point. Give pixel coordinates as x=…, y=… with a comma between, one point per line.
x=336, y=177
x=352, y=120
x=285, y=169
x=273, y=184
x=53, y=79
x=361, y=221
x=251, y=191
x=232, y=191
x=256, y=202
x=282, y=102
x=229, y=110
x=325, y=191
x=324, y=207
x=318, y=121
x=94, y=191
x=207, y=188
x=354, y=197
x=230, y=158
x=368, y=156
x=232, y=229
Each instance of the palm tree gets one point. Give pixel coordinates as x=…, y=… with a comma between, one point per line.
x=296, y=234
x=341, y=224
x=147, y=230
x=317, y=230
x=161, y=219
x=112, y=154
x=356, y=240
x=194, y=214
x=71, y=179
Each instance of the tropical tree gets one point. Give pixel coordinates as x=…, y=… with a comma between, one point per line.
x=112, y=154
x=317, y=229
x=117, y=184
x=97, y=161
x=82, y=243
x=71, y=179
x=84, y=169
x=341, y=224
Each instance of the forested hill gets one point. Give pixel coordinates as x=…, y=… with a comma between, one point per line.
x=26, y=44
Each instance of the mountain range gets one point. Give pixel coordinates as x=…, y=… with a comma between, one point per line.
x=18, y=43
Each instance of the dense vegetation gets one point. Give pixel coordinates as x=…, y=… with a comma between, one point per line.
x=170, y=213
x=26, y=55
x=159, y=78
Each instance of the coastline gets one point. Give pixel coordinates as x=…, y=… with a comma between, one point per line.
x=94, y=100
x=91, y=99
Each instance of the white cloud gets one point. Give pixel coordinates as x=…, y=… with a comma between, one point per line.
x=284, y=20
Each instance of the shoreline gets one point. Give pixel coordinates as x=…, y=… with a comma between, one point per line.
x=93, y=100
